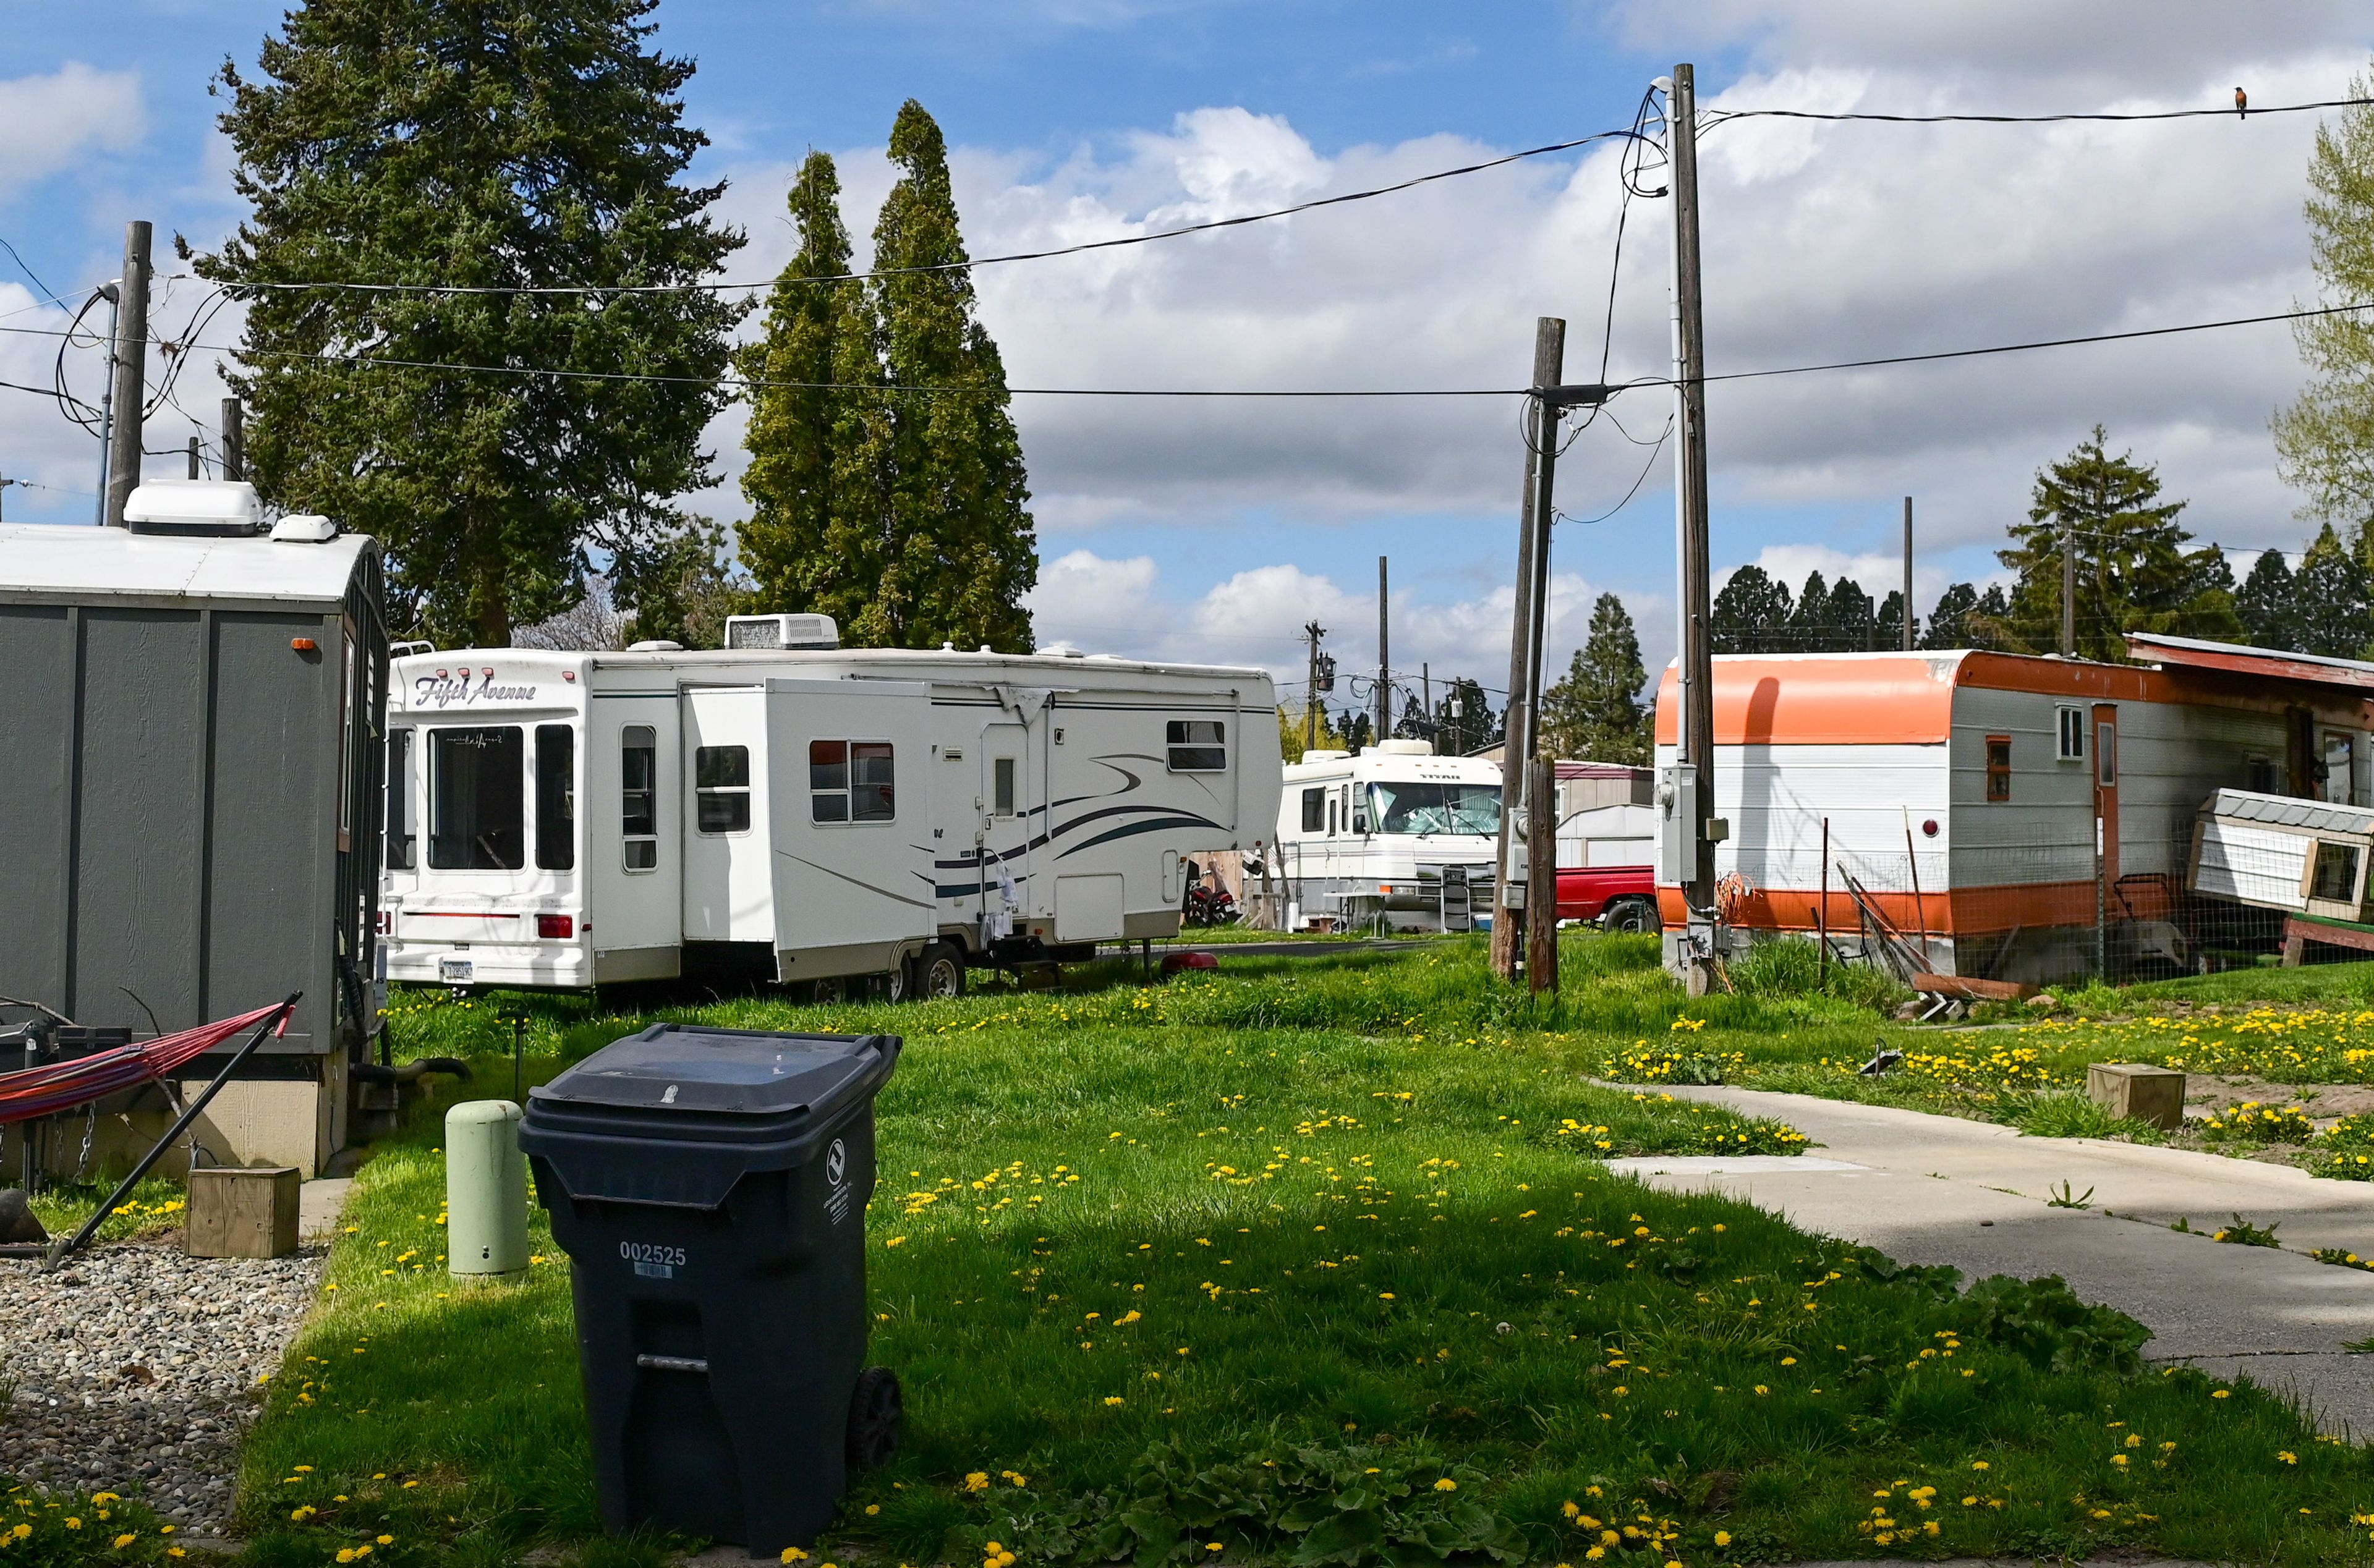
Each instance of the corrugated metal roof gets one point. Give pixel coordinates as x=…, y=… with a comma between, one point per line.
x=2285, y=811
x=80, y=561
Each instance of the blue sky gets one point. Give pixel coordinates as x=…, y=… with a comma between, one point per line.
x=1215, y=531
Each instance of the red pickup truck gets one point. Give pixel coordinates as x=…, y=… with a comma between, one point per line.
x=1620, y=898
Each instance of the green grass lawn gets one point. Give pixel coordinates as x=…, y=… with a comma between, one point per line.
x=1311, y=1262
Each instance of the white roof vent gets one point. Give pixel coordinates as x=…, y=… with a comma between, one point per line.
x=221, y=509
x=1403, y=748
x=802, y=632
x=304, y=528
x=1322, y=753
x=656, y=645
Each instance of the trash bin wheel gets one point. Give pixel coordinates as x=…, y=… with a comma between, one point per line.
x=875, y=1411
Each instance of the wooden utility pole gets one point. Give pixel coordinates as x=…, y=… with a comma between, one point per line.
x=1541, y=882
x=1384, y=658
x=1517, y=742
x=1692, y=798
x=194, y=463
x=1908, y=574
x=2069, y=589
x=129, y=385
x=234, y=428
x=1314, y=631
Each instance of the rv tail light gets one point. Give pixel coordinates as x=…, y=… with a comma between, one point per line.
x=302, y=644
x=385, y=924
x=556, y=927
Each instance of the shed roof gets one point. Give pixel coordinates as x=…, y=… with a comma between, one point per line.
x=55, y=561
x=2283, y=811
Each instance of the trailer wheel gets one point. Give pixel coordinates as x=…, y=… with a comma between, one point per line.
x=940, y=973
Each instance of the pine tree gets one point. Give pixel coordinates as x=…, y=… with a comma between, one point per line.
x=1852, y=623
x=2331, y=591
x=1359, y=732
x=445, y=142
x=1595, y=712
x=1751, y=614
x=1887, y=631
x=2324, y=442
x=1809, y=623
x=804, y=510
x=2268, y=604
x=958, y=550
x=2133, y=572
x=1464, y=718
x=1948, y=618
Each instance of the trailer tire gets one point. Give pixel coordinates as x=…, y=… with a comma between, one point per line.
x=940, y=973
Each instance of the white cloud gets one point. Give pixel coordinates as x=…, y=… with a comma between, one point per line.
x=50, y=123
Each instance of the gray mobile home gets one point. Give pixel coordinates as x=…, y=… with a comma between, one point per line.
x=193, y=711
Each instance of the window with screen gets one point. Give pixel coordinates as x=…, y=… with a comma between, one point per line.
x=638, y=801
x=1002, y=789
x=478, y=799
x=851, y=781
x=1198, y=745
x=401, y=849
x=555, y=798
x=2105, y=754
x=1314, y=810
x=1998, y=767
x=2333, y=875
x=2070, y=744
x=721, y=789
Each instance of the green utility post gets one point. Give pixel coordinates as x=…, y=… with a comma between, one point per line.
x=486, y=1191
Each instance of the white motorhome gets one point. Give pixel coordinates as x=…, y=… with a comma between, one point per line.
x=1395, y=834
x=787, y=808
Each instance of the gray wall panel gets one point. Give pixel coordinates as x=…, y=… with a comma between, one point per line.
x=37, y=688
x=139, y=850
x=275, y=816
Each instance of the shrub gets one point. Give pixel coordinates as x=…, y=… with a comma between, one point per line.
x=2044, y=1320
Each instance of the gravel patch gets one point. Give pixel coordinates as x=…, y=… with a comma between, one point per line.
x=137, y=1369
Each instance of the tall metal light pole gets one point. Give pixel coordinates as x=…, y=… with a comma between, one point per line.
x=1688, y=793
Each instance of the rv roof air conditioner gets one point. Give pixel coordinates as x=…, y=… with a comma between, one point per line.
x=216, y=508
x=1403, y=748
x=813, y=633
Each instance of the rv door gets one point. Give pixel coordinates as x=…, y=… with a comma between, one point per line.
x=724, y=768
x=1007, y=825
x=853, y=845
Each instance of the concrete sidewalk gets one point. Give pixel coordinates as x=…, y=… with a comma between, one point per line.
x=1938, y=1189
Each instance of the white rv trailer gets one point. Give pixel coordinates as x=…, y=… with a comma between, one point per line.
x=1396, y=833
x=804, y=813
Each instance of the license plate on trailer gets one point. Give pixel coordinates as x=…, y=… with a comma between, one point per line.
x=456, y=971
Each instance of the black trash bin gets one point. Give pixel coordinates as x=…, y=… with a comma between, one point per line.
x=710, y=1186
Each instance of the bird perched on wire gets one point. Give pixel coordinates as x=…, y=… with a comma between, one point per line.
x=2241, y=103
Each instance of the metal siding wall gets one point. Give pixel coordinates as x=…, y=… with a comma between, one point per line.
x=2045, y=832
x=137, y=861
x=37, y=695
x=1775, y=798
x=2172, y=759
x=274, y=818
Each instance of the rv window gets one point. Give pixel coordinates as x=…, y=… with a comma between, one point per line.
x=1330, y=816
x=2072, y=742
x=400, y=849
x=721, y=789
x=555, y=798
x=637, y=800
x=2333, y=877
x=477, y=800
x=1002, y=789
x=851, y=781
x=1314, y=812
x=1198, y=745
x=1998, y=767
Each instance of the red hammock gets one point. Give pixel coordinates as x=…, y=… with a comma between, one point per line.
x=61, y=1086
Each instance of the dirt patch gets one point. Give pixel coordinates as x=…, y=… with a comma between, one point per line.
x=2327, y=1103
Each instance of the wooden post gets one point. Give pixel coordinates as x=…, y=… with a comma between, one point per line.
x=242, y=1213
x=1822, y=910
x=1541, y=875
x=1517, y=743
x=1919, y=910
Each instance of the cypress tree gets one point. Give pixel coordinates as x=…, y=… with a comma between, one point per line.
x=1851, y=621
x=2267, y=604
x=445, y=142
x=1809, y=624
x=957, y=549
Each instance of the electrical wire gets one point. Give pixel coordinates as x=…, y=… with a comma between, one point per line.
x=1557, y=516
x=50, y=295
x=1716, y=117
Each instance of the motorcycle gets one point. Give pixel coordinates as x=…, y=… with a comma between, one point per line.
x=1207, y=906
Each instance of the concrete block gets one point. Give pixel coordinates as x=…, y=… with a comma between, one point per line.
x=2155, y=1094
x=240, y=1212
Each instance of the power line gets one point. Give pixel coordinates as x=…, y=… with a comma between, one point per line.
x=1084, y=248
x=1717, y=117
x=52, y=294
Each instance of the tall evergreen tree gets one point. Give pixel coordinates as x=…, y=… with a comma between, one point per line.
x=1887, y=631
x=2325, y=439
x=959, y=549
x=1809, y=623
x=1852, y=623
x=1948, y=618
x=808, y=499
x=2134, y=571
x=2331, y=590
x=1751, y=614
x=1595, y=712
x=2268, y=604
x=448, y=142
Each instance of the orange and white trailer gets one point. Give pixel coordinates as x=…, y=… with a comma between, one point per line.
x=2013, y=818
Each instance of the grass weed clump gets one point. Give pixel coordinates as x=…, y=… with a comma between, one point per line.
x=2075, y=1116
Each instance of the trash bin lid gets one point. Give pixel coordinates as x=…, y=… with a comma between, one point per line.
x=676, y=1113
